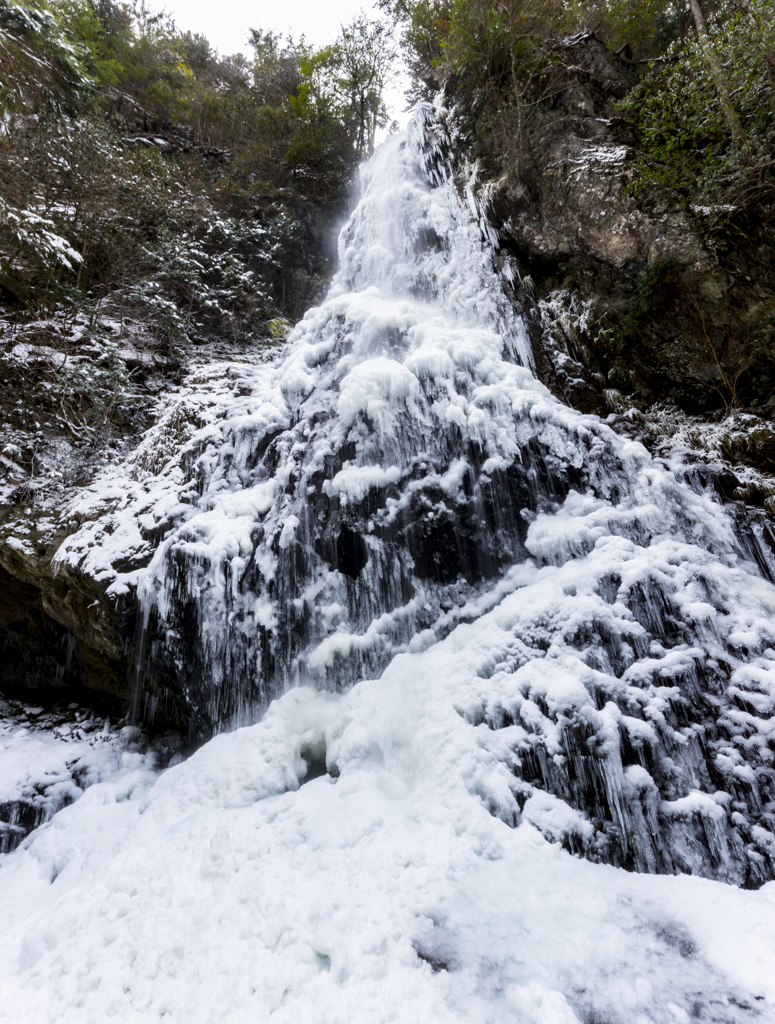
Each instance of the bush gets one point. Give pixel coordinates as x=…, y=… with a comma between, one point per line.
x=685, y=143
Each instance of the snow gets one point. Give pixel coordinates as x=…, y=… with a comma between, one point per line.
x=373, y=388
x=25, y=353
x=695, y=803
x=375, y=358
x=355, y=482
x=48, y=759
x=229, y=889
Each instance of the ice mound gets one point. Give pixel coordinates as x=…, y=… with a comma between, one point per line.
x=352, y=858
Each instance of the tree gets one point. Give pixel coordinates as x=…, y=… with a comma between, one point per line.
x=40, y=61
x=704, y=115
x=714, y=65
x=357, y=69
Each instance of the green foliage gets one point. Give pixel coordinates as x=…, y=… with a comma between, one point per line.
x=491, y=38
x=480, y=46
x=702, y=110
x=498, y=59
x=657, y=289
x=647, y=27
x=82, y=394
x=78, y=207
x=118, y=249
x=351, y=76
x=685, y=143
x=41, y=60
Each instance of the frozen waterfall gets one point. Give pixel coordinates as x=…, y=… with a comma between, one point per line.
x=398, y=473
x=470, y=632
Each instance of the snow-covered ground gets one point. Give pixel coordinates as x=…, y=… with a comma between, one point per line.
x=49, y=757
x=394, y=889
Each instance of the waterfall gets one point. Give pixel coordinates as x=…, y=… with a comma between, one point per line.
x=399, y=472
x=378, y=482
x=472, y=627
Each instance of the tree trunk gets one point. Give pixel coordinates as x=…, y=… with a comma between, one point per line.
x=733, y=121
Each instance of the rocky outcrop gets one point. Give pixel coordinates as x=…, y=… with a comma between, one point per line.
x=58, y=628
x=660, y=307
x=73, y=540
x=570, y=210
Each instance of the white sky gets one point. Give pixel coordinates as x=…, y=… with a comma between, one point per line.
x=226, y=22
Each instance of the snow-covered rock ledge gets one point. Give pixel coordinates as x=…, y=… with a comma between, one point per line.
x=70, y=554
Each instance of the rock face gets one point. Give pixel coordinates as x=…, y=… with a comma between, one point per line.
x=70, y=625
x=59, y=630
x=643, y=298
x=572, y=209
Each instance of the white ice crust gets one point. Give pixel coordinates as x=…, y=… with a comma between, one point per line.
x=397, y=891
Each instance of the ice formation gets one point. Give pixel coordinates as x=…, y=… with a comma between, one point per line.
x=489, y=632
x=399, y=471
x=240, y=888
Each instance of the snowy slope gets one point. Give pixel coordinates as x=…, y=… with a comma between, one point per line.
x=393, y=891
